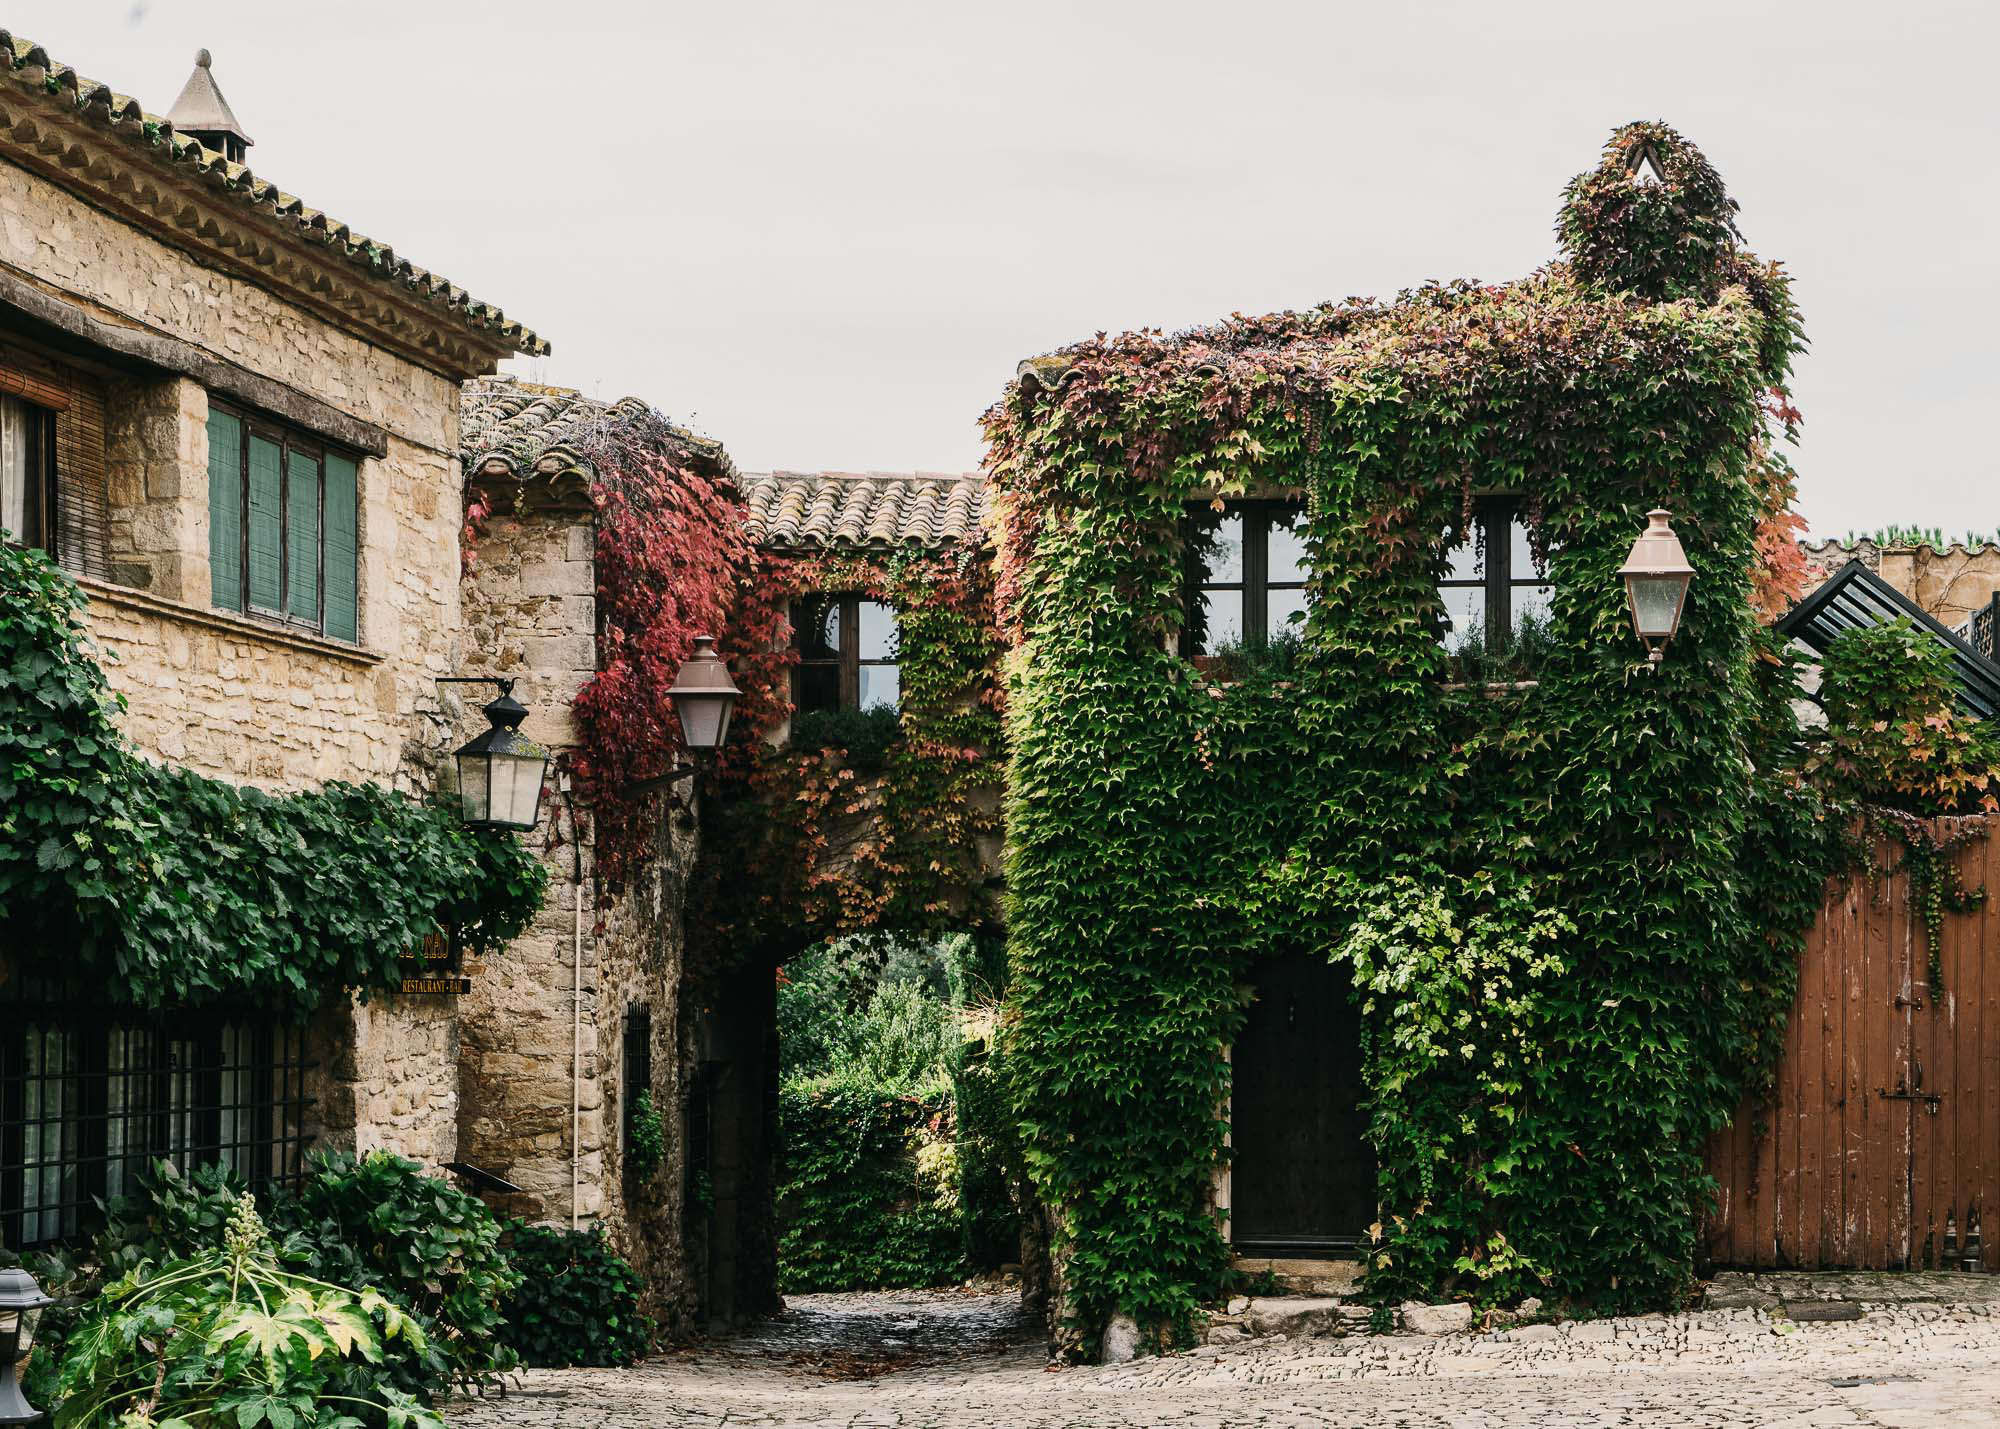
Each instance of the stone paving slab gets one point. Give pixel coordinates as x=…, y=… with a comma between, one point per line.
x=963, y=1360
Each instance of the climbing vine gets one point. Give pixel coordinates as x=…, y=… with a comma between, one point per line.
x=673, y=561
x=1896, y=753
x=1570, y=914
x=874, y=820
x=164, y=888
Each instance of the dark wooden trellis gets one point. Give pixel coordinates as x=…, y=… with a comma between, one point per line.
x=1880, y=1148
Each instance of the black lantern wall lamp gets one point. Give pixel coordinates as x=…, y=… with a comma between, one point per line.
x=21, y=1304
x=1656, y=575
x=500, y=772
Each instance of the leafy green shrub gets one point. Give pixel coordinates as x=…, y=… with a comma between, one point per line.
x=860, y=1204
x=578, y=1302
x=866, y=735
x=869, y=1012
x=228, y=1337
x=1894, y=736
x=377, y=1221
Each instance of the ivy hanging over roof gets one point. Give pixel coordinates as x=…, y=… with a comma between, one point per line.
x=163, y=888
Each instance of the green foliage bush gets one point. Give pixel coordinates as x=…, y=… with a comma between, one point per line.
x=158, y=884
x=866, y=735
x=895, y=1147
x=228, y=1337
x=859, y=1208
x=646, y=1138
x=578, y=1301
x=375, y=1222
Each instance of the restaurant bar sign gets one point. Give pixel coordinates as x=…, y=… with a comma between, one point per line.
x=435, y=966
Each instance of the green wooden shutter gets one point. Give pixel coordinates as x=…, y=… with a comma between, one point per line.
x=266, y=524
x=341, y=606
x=302, y=535
x=225, y=510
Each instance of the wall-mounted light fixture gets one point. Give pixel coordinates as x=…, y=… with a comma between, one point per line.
x=500, y=772
x=1656, y=575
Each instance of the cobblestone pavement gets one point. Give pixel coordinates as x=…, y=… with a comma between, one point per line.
x=952, y=1359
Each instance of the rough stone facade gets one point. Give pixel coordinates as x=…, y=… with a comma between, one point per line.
x=544, y=1085
x=150, y=318
x=1948, y=584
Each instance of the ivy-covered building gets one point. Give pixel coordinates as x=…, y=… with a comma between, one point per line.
x=1367, y=892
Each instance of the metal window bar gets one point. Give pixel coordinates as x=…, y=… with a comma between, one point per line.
x=1978, y=629
x=88, y=1101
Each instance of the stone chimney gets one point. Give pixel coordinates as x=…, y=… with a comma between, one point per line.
x=202, y=113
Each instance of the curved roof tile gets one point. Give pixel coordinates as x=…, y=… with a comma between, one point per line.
x=839, y=510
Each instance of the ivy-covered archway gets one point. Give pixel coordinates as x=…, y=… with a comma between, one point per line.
x=1568, y=909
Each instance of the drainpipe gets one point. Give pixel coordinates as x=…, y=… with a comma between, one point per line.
x=575, y=1011
x=576, y=1048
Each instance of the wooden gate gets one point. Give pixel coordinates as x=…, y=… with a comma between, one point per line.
x=1881, y=1146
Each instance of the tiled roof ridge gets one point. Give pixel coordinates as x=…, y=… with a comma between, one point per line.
x=30, y=66
x=1868, y=545
x=878, y=510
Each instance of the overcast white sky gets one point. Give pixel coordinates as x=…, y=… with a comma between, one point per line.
x=825, y=233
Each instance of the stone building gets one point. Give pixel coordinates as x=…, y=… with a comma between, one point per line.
x=1951, y=583
x=236, y=423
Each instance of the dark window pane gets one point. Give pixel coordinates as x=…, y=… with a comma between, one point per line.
x=23, y=471
x=816, y=687
x=878, y=632
x=1523, y=558
x=1285, y=552
x=816, y=628
x=880, y=685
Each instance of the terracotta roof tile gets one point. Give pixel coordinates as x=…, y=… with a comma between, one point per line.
x=28, y=65
x=525, y=430
x=834, y=510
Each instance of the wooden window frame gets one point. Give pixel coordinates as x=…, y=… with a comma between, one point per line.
x=848, y=658
x=1493, y=520
x=288, y=440
x=1256, y=585
x=48, y=521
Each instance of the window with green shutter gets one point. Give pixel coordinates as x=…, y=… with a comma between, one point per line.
x=281, y=524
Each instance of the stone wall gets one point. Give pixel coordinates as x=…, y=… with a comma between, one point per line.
x=1949, y=584
x=543, y=1101
x=238, y=698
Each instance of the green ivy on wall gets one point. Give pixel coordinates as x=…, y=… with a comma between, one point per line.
x=1570, y=914
x=169, y=889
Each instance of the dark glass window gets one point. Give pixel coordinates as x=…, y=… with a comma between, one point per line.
x=638, y=1063
x=847, y=647
x=282, y=524
x=1246, y=574
x=1492, y=583
x=89, y=1100
x=27, y=472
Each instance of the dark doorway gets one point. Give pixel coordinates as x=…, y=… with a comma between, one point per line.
x=1303, y=1177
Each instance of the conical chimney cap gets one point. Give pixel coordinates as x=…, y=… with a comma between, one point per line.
x=202, y=111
